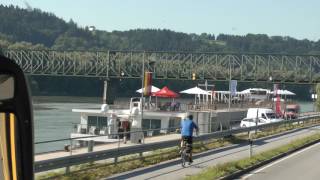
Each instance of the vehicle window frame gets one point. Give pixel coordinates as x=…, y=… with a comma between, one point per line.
x=20, y=105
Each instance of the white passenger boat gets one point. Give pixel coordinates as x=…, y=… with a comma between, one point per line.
x=106, y=122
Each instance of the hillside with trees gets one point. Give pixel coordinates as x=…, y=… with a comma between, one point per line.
x=34, y=29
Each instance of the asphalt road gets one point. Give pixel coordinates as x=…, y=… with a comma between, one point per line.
x=300, y=165
x=172, y=169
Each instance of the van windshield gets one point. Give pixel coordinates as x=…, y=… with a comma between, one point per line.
x=291, y=110
x=271, y=115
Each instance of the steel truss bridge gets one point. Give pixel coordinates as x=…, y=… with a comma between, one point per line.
x=170, y=65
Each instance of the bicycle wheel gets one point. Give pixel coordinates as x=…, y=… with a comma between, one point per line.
x=183, y=158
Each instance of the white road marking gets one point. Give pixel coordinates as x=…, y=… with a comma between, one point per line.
x=278, y=161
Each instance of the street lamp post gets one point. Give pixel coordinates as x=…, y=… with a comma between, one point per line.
x=270, y=79
x=142, y=94
x=314, y=97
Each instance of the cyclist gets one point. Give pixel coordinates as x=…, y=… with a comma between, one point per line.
x=187, y=126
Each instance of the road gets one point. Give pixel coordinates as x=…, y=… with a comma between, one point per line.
x=172, y=169
x=300, y=165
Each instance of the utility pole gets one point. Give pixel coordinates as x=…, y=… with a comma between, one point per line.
x=230, y=78
x=143, y=88
x=229, y=104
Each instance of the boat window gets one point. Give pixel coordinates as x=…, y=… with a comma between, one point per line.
x=151, y=124
x=174, y=123
x=92, y=121
x=97, y=121
x=145, y=124
x=263, y=116
x=102, y=122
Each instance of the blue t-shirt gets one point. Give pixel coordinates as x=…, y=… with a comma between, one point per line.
x=187, y=126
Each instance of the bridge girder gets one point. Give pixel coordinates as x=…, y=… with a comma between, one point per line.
x=170, y=65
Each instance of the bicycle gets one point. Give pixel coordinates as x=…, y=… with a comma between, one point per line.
x=185, y=152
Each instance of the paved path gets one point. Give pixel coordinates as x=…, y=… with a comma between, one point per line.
x=172, y=169
x=300, y=165
x=57, y=154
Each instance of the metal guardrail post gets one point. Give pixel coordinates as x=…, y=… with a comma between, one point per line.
x=67, y=169
x=90, y=145
x=90, y=148
x=70, y=149
x=141, y=155
x=142, y=138
x=116, y=157
x=250, y=145
x=118, y=141
x=116, y=160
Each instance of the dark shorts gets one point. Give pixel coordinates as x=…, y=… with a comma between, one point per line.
x=188, y=145
x=188, y=139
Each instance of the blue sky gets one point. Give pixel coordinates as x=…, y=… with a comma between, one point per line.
x=295, y=18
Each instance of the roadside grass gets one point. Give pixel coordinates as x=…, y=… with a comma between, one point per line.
x=225, y=169
x=98, y=170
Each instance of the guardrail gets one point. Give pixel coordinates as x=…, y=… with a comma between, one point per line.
x=72, y=160
x=213, y=126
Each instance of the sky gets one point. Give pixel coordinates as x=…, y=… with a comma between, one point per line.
x=295, y=18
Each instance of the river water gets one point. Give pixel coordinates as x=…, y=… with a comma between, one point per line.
x=54, y=119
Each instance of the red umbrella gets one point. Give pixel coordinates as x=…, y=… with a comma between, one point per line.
x=165, y=92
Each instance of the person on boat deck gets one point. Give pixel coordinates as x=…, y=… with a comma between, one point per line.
x=173, y=105
x=187, y=127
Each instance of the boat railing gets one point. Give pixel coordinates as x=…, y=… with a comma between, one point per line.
x=178, y=106
x=169, y=106
x=201, y=107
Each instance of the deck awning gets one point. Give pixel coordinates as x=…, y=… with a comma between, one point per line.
x=153, y=89
x=195, y=91
x=166, y=93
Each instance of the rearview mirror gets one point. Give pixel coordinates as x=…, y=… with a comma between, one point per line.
x=6, y=87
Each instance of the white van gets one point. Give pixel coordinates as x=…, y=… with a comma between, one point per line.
x=263, y=115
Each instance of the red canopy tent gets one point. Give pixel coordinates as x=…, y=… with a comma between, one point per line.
x=165, y=92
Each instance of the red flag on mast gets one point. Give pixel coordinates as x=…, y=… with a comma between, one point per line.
x=147, y=83
x=278, y=103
